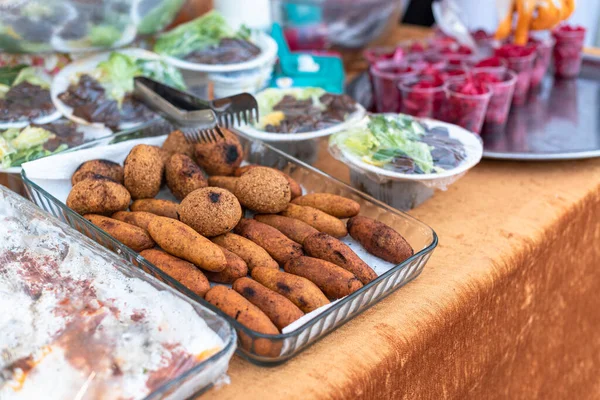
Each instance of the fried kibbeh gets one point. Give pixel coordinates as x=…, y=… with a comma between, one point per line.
x=143, y=171
x=328, y=248
x=221, y=157
x=293, y=228
x=279, y=309
x=98, y=195
x=334, y=281
x=140, y=219
x=106, y=168
x=317, y=219
x=295, y=188
x=263, y=190
x=274, y=242
x=210, y=211
x=176, y=143
x=163, y=208
x=179, y=240
x=303, y=293
x=183, y=271
x=236, y=268
x=379, y=239
x=183, y=175
x=250, y=252
x=224, y=182
x=332, y=204
x=130, y=235
x=237, y=307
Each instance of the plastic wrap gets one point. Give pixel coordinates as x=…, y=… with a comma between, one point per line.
x=78, y=322
x=405, y=191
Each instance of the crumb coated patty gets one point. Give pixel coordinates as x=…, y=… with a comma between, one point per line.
x=105, y=168
x=210, y=211
x=263, y=190
x=143, y=171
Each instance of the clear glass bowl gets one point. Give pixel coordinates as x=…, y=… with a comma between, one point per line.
x=317, y=25
x=257, y=347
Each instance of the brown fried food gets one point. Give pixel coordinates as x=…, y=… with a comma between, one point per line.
x=332, y=204
x=274, y=242
x=98, y=195
x=176, y=143
x=130, y=235
x=247, y=314
x=295, y=188
x=182, y=271
x=224, y=182
x=178, y=239
x=290, y=227
x=263, y=190
x=250, y=252
x=163, y=208
x=236, y=268
x=300, y=291
x=328, y=248
x=279, y=309
x=334, y=281
x=106, y=168
x=210, y=211
x=379, y=239
x=317, y=219
x=183, y=175
x=221, y=157
x=144, y=169
x=140, y=219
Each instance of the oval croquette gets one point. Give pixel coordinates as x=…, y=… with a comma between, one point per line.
x=263, y=190
x=210, y=211
x=98, y=195
x=183, y=175
x=105, y=168
x=221, y=157
x=143, y=171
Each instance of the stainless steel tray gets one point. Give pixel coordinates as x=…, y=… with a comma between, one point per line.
x=280, y=347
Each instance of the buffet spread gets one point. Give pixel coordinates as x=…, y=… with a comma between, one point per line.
x=227, y=242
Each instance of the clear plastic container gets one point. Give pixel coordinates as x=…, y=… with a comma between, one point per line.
x=423, y=100
x=520, y=59
x=87, y=324
x=466, y=110
x=386, y=75
x=502, y=94
x=568, y=51
x=260, y=348
x=543, y=56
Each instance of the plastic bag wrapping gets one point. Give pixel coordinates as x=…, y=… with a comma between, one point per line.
x=79, y=322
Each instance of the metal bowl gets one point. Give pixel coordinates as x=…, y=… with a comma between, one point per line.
x=33, y=26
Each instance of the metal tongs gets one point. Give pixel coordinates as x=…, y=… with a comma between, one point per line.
x=196, y=118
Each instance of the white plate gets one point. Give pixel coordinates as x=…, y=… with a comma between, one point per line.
x=69, y=74
x=472, y=143
x=40, y=121
x=268, y=48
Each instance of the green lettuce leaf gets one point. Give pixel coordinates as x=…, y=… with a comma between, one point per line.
x=31, y=75
x=162, y=72
x=116, y=75
x=104, y=35
x=9, y=74
x=31, y=137
x=159, y=17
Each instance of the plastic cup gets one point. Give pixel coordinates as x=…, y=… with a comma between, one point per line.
x=386, y=75
x=452, y=73
x=423, y=97
x=466, y=110
x=456, y=54
x=426, y=62
x=568, y=51
x=376, y=54
x=543, y=56
x=490, y=64
x=502, y=94
x=522, y=65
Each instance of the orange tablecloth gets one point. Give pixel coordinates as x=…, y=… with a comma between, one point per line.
x=507, y=307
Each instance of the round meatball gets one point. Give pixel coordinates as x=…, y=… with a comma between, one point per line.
x=105, y=168
x=221, y=157
x=98, y=195
x=183, y=175
x=143, y=171
x=263, y=190
x=210, y=211
x=176, y=143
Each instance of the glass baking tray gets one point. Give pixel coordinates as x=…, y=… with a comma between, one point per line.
x=272, y=349
x=193, y=381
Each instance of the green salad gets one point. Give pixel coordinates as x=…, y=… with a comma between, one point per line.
x=197, y=35
x=20, y=145
x=116, y=74
x=385, y=139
